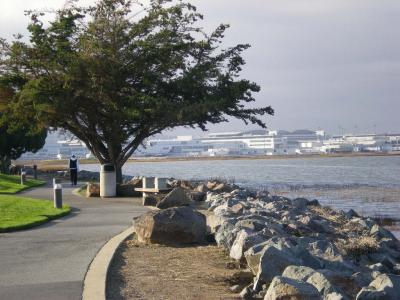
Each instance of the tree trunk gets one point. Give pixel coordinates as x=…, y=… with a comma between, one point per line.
x=5, y=163
x=118, y=172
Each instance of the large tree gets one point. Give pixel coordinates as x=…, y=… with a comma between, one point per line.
x=16, y=136
x=118, y=72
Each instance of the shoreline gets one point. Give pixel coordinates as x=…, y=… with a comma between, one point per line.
x=280, y=241
x=209, y=158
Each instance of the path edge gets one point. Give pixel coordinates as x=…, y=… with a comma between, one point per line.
x=95, y=282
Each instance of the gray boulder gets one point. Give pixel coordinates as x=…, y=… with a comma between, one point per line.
x=309, y=275
x=335, y=296
x=214, y=222
x=222, y=210
x=273, y=262
x=308, y=259
x=253, y=255
x=285, y=288
x=197, y=196
x=368, y=293
x=252, y=224
x=330, y=257
x=351, y=213
x=388, y=283
x=300, y=203
x=301, y=273
x=237, y=209
x=202, y=188
x=177, y=197
x=381, y=232
x=222, y=187
x=244, y=240
x=177, y=225
x=226, y=234
x=128, y=189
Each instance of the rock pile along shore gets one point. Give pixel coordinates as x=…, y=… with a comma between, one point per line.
x=295, y=248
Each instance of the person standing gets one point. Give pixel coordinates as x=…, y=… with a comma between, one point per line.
x=73, y=169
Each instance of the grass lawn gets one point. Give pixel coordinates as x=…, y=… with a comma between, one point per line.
x=21, y=213
x=10, y=184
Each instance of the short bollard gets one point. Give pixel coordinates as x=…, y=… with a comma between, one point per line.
x=58, y=195
x=23, y=177
x=56, y=181
x=34, y=171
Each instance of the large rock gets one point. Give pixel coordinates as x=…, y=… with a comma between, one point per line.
x=253, y=255
x=300, y=203
x=390, y=284
x=381, y=232
x=282, y=288
x=197, y=196
x=214, y=222
x=176, y=225
x=92, y=189
x=252, y=224
x=202, y=188
x=335, y=296
x=309, y=275
x=273, y=262
x=177, y=197
x=237, y=209
x=226, y=234
x=222, y=187
x=244, y=240
x=185, y=184
x=368, y=293
x=301, y=273
x=128, y=189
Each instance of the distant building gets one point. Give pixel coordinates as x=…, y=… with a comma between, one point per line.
x=256, y=142
x=363, y=143
x=248, y=143
x=58, y=147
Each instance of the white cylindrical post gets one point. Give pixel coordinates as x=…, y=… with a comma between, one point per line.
x=23, y=177
x=108, y=181
x=58, y=195
x=56, y=181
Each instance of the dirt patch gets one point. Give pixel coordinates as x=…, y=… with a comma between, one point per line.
x=163, y=272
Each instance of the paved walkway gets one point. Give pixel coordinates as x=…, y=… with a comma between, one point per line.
x=49, y=262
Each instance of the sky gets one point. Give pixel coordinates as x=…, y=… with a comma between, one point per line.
x=321, y=64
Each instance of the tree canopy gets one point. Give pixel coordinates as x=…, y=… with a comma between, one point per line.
x=119, y=72
x=16, y=137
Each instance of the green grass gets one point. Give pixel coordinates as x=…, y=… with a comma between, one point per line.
x=22, y=213
x=10, y=184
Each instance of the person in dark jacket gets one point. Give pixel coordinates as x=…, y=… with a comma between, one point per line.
x=73, y=169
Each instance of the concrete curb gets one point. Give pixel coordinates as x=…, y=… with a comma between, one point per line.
x=94, y=285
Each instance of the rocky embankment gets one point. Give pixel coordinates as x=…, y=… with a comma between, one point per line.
x=295, y=248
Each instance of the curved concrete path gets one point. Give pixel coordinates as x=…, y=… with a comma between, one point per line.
x=50, y=261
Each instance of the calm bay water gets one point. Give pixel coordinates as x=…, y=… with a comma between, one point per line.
x=370, y=185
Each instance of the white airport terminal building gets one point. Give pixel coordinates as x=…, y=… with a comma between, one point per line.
x=249, y=143
x=261, y=142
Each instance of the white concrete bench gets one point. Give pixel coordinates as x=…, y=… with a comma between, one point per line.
x=153, y=185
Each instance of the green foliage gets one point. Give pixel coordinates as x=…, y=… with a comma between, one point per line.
x=12, y=184
x=17, y=135
x=21, y=213
x=118, y=72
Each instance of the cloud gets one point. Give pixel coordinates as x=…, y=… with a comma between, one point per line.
x=320, y=63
